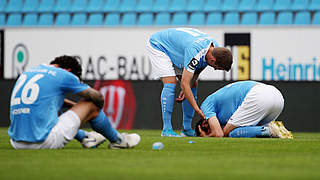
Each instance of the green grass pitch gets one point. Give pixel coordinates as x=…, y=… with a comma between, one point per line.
x=207, y=158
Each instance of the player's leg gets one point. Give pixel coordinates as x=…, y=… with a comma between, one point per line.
x=162, y=68
x=250, y=131
x=188, y=113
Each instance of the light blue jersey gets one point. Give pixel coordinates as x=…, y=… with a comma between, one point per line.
x=186, y=47
x=224, y=102
x=36, y=98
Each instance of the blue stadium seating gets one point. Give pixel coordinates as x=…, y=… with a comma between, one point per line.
x=95, y=19
x=129, y=19
x=111, y=6
x=230, y=5
x=247, y=5
x=62, y=6
x=316, y=18
x=299, y=5
x=95, y=5
x=195, y=5
x=177, y=5
x=282, y=5
x=214, y=18
x=162, y=19
x=3, y=5
x=213, y=5
x=112, y=19
x=128, y=5
x=14, y=6
x=46, y=6
x=314, y=5
x=79, y=19
x=249, y=18
x=30, y=19
x=145, y=19
x=264, y=5
x=267, y=18
x=231, y=18
x=197, y=19
x=2, y=19
x=302, y=18
x=144, y=6
x=63, y=19
x=179, y=19
x=285, y=18
x=30, y=6
x=46, y=19
x=79, y=5
x=160, y=5
x=14, y=19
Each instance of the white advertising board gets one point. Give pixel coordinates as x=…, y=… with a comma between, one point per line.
x=119, y=53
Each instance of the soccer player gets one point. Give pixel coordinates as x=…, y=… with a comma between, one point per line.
x=243, y=109
x=183, y=53
x=39, y=95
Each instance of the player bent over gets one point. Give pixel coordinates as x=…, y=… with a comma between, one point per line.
x=243, y=109
x=183, y=53
x=38, y=96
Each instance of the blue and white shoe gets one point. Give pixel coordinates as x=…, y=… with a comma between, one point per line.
x=188, y=133
x=93, y=140
x=169, y=133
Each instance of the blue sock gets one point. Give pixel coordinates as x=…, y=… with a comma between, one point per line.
x=167, y=101
x=188, y=111
x=80, y=135
x=250, y=131
x=102, y=125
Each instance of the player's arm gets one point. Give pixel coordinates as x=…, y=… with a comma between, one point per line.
x=93, y=95
x=215, y=128
x=186, y=88
x=227, y=129
x=68, y=103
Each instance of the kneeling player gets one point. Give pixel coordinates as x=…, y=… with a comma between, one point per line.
x=243, y=109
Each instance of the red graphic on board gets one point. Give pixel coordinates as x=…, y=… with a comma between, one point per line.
x=120, y=102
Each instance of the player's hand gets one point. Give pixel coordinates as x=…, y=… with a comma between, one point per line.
x=202, y=133
x=201, y=114
x=180, y=98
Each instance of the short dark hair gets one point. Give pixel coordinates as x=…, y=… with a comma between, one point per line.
x=223, y=57
x=200, y=122
x=69, y=62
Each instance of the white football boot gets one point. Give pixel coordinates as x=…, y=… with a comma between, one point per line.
x=126, y=141
x=277, y=130
x=93, y=140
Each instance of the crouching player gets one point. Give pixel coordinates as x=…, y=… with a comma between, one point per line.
x=38, y=96
x=243, y=109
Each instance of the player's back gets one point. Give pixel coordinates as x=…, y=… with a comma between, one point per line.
x=36, y=98
x=175, y=41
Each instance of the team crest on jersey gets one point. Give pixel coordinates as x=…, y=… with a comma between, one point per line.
x=193, y=64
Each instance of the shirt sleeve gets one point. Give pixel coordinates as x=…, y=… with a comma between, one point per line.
x=208, y=107
x=191, y=59
x=71, y=83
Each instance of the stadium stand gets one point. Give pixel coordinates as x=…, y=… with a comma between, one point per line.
x=179, y=19
x=316, y=18
x=249, y=18
x=285, y=18
x=2, y=19
x=95, y=19
x=267, y=18
x=145, y=19
x=197, y=19
x=63, y=19
x=162, y=19
x=30, y=6
x=163, y=12
x=46, y=19
x=214, y=18
x=14, y=19
x=30, y=19
x=79, y=19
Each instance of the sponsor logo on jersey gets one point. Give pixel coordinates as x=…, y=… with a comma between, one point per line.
x=193, y=64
